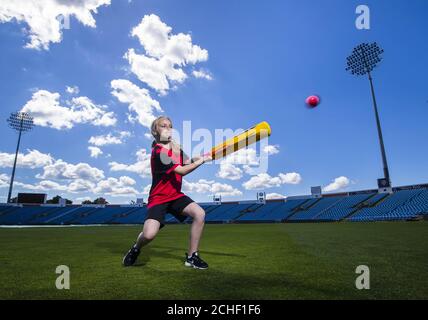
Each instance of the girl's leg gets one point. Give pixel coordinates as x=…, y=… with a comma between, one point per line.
x=198, y=214
x=150, y=229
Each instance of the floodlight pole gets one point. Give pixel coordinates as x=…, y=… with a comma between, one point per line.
x=14, y=163
x=363, y=59
x=379, y=132
x=22, y=122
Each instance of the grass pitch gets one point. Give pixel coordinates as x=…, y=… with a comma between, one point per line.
x=252, y=261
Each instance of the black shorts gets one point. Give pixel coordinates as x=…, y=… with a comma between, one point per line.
x=174, y=207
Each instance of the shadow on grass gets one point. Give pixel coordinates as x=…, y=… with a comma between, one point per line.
x=205, y=251
x=166, y=252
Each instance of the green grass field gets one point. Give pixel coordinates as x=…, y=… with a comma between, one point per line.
x=257, y=261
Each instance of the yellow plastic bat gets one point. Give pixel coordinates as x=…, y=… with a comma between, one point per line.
x=242, y=140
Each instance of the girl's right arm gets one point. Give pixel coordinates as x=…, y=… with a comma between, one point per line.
x=183, y=170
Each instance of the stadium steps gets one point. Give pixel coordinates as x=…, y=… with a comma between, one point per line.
x=224, y=214
x=123, y=215
x=62, y=215
x=381, y=211
x=265, y=213
x=358, y=207
x=406, y=203
x=353, y=212
x=244, y=211
x=73, y=219
x=343, y=208
x=81, y=215
x=380, y=200
x=210, y=209
x=328, y=208
x=296, y=209
x=47, y=213
x=7, y=210
x=301, y=207
x=252, y=208
x=314, y=203
x=366, y=204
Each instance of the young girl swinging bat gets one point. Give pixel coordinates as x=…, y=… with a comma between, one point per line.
x=168, y=165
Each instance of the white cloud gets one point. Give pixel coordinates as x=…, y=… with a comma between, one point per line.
x=81, y=199
x=47, y=111
x=148, y=136
x=74, y=178
x=86, y=111
x=202, y=74
x=72, y=90
x=235, y=164
x=110, y=186
x=141, y=167
x=146, y=189
x=275, y=196
x=265, y=181
x=45, y=19
x=104, y=140
x=4, y=180
x=210, y=188
x=95, y=152
x=166, y=54
x=61, y=170
x=338, y=183
x=44, y=185
x=271, y=149
x=225, y=190
x=81, y=185
x=116, y=187
x=140, y=102
x=33, y=159
x=290, y=178
x=246, y=156
x=229, y=171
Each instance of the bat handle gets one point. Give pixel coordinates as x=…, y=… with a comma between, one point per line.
x=210, y=153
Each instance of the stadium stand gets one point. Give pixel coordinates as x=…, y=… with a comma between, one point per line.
x=403, y=203
x=315, y=209
x=344, y=208
x=261, y=213
x=380, y=210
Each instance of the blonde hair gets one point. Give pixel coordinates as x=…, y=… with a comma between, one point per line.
x=175, y=146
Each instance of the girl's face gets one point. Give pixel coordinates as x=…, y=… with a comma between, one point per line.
x=164, y=128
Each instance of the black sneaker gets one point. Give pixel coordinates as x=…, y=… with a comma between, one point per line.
x=195, y=261
x=130, y=258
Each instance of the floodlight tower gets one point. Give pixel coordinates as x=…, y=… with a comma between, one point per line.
x=362, y=61
x=21, y=122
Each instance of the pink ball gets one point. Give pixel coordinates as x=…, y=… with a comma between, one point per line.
x=313, y=101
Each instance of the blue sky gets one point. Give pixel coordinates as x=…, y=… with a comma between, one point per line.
x=263, y=58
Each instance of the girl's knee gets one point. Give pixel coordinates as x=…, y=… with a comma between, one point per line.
x=149, y=235
x=150, y=230
x=200, y=216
